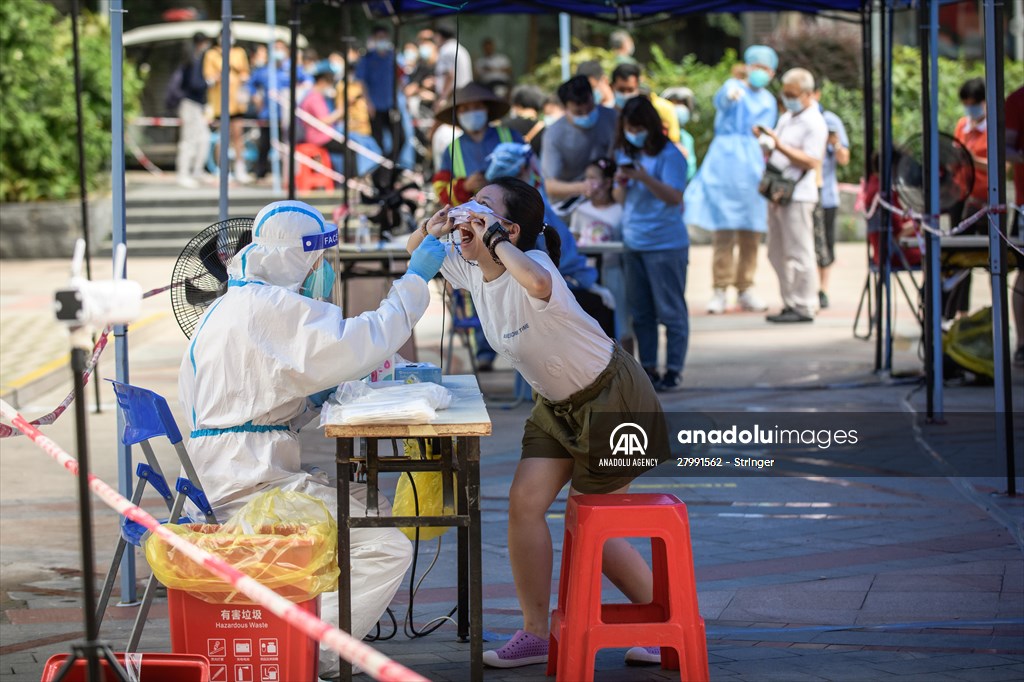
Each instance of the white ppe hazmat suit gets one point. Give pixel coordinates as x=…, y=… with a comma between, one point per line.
x=257, y=354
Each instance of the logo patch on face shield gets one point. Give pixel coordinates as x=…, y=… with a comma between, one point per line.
x=320, y=240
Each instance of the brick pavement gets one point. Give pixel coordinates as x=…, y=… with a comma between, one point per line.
x=798, y=578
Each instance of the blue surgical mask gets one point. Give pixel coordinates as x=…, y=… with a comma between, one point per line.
x=550, y=119
x=410, y=56
x=793, y=104
x=320, y=283
x=425, y=52
x=683, y=114
x=586, y=122
x=758, y=78
x=636, y=139
x=975, y=112
x=280, y=55
x=598, y=97
x=473, y=121
x=620, y=99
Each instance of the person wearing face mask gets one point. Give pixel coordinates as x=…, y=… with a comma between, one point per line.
x=454, y=67
x=799, y=141
x=723, y=197
x=525, y=115
x=594, y=72
x=376, y=71
x=627, y=83
x=493, y=69
x=585, y=134
x=465, y=161
x=261, y=98
x=972, y=132
x=238, y=103
x=682, y=99
x=649, y=184
x=261, y=362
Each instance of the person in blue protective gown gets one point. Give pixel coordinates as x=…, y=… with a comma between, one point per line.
x=723, y=197
x=263, y=358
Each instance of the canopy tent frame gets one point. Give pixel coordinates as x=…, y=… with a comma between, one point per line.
x=625, y=12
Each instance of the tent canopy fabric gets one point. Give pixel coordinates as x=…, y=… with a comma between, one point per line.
x=611, y=9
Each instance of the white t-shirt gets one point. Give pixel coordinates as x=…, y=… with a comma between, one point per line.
x=446, y=64
x=808, y=132
x=497, y=67
x=593, y=225
x=558, y=348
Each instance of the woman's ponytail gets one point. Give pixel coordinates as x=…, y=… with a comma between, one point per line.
x=553, y=241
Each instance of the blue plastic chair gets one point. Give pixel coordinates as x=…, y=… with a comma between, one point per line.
x=147, y=416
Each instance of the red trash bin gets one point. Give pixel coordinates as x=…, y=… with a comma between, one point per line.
x=153, y=668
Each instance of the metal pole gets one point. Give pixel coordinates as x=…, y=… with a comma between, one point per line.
x=83, y=192
x=275, y=117
x=993, y=11
x=394, y=116
x=225, y=102
x=928, y=13
x=124, y=452
x=346, y=164
x=293, y=52
x=565, y=42
x=883, y=342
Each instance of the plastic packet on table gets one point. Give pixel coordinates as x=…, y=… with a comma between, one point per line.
x=357, y=403
x=286, y=540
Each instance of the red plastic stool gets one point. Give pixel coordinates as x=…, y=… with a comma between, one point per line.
x=307, y=179
x=672, y=620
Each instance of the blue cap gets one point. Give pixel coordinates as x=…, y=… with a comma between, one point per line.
x=761, y=54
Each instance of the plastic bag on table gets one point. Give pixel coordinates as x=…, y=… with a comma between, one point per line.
x=286, y=540
x=421, y=496
x=357, y=403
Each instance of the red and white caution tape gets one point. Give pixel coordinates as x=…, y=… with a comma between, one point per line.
x=334, y=134
x=47, y=419
x=376, y=664
x=324, y=170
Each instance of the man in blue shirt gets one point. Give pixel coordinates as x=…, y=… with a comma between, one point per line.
x=259, y=92
x=836, y=152
x=376, y=71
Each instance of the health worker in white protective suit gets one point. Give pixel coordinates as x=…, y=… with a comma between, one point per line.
x=258, y=358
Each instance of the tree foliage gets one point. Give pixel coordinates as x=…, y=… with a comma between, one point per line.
x=38, y=149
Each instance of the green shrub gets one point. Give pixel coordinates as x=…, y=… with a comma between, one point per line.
x=38, y=154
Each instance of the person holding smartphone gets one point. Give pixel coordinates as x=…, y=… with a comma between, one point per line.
x=649, y=183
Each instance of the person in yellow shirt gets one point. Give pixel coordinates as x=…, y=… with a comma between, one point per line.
x=238, y=100
x=627, y=82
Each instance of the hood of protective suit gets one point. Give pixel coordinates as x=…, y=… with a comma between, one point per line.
x=288, y=238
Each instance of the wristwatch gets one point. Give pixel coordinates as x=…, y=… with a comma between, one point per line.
x=492, y=230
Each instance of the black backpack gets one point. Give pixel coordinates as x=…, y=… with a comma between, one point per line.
x=175, y=91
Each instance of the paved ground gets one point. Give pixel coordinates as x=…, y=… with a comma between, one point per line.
x=799, y=578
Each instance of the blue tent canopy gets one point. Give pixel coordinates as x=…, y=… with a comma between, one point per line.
x=611, y=9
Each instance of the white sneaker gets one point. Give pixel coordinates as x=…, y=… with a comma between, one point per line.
x=716, y=306
x=185, y=181
x=639, y=655
x=749, y=301
x=241, y=175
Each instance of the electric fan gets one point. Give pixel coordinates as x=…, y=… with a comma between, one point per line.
x=200, y=274
x=956, y=173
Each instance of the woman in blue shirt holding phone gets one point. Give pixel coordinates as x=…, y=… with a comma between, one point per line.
x=650, y=183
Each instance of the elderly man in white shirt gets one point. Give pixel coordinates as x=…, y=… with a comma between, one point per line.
x=799, y=141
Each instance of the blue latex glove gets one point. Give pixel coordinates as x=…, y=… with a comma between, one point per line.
x=426, y=260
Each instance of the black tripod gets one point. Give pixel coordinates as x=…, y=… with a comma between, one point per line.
x=91, y=649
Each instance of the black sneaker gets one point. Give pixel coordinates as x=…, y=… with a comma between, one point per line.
x=653, y=375
x=822, y=300
x=788, y=317
x=672, y=381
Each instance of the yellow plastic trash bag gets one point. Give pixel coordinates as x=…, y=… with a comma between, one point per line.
x=428, y=498
x=285, y=540
x=969, y=342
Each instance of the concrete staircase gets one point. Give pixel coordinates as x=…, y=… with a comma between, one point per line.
x=162, y=219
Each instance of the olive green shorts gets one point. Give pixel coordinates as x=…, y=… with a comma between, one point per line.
x=561, y=429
